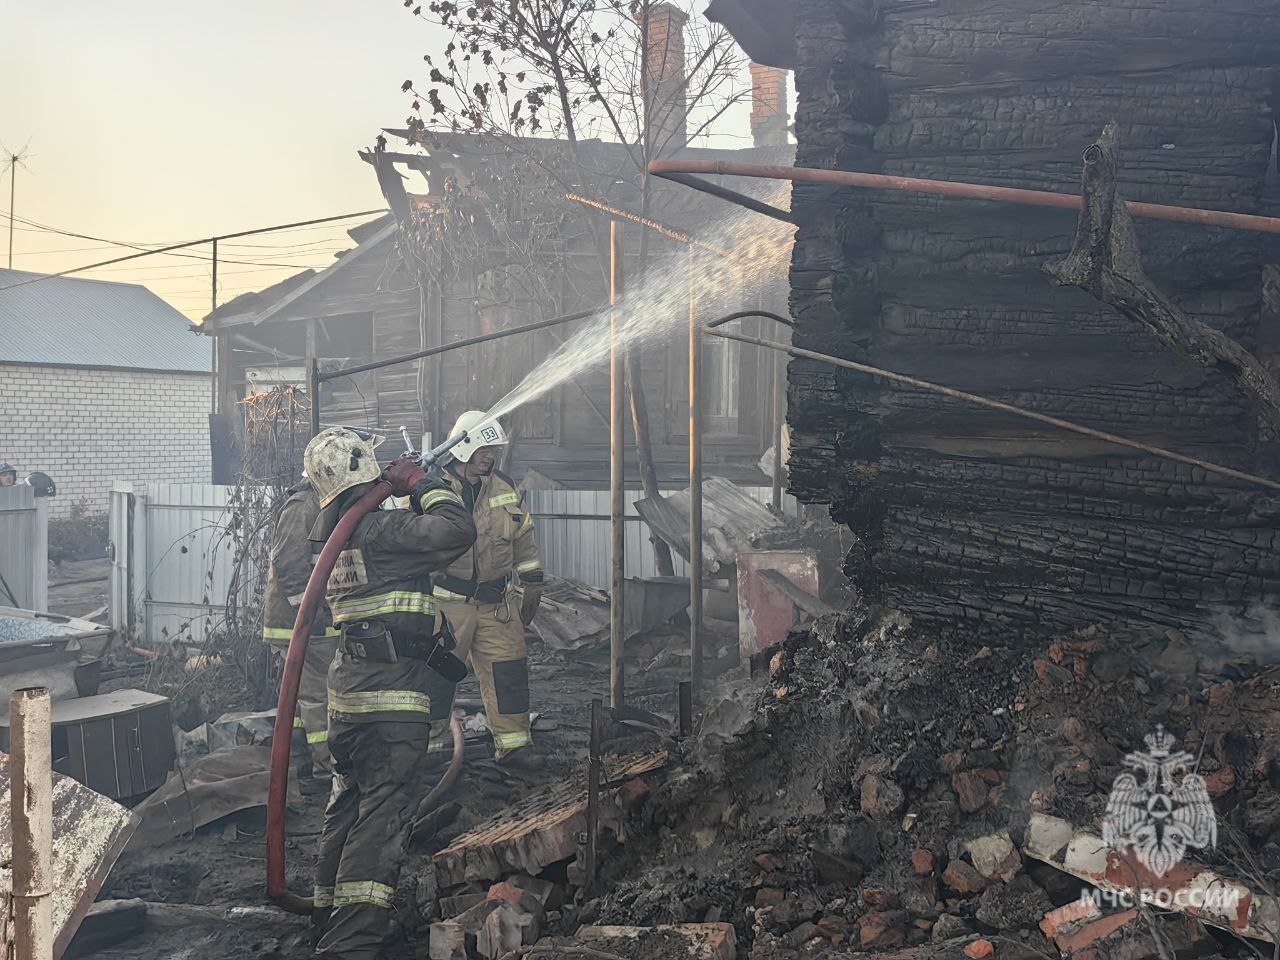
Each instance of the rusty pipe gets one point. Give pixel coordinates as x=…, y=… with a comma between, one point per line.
x=282, y=735
x=679, y=171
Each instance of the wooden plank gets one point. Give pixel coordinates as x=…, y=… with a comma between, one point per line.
x=541, y=830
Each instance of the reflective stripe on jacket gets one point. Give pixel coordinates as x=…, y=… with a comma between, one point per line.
x=505, y=542
x=384, y=576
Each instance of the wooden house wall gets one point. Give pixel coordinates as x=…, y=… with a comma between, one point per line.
x=970, y=517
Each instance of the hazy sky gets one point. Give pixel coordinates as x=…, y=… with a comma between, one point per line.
x=155, y=121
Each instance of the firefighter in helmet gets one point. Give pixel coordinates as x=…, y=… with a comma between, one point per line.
x=478, y=590
x=292, y=557
x=393, y=676
x=8, y=475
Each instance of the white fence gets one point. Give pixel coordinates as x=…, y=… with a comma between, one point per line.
x=24, y=548
x=172, y=558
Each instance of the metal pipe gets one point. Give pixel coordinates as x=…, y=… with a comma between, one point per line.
x=593, y=793
x=31, y=812
x=684, y=701
x=724, y=193
x=457, y=345
x=779, y=419
x=740, y=314
x=678, y=171
x=695, y=480
x=313, y=394
x=617, y=480
x=655, y=225
x=1004, y=408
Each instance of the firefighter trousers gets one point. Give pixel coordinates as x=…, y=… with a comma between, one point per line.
x=379, y=780
x=492, y=636
x=313, y=699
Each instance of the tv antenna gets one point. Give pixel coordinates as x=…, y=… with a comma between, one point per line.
x=11, y=162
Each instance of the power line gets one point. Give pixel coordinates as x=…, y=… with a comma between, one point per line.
x=189, y=243
x=45, y=228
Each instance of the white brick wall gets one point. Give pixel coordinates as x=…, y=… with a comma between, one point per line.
x=88, y=428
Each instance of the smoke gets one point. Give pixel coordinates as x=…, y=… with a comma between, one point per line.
x=656, y=310
x=1255, y=634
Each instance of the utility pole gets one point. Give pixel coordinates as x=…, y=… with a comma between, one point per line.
x=12, y=161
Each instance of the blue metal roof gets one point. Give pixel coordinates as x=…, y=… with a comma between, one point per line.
x=67, y=321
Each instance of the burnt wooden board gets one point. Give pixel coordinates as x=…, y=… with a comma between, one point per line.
x=541, y=830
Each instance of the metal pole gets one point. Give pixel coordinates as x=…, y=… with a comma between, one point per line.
x=695, y=483
x=313, y=391
x=684, y=698
x=593, y=794
x=617, y=479
x=13, y=177
x=679, y=170
x=779, y=421
x=31, y=799
x=218, y=359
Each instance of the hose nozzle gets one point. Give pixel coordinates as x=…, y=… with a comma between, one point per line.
x=432, y=456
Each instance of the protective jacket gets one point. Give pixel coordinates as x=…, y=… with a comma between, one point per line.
x=504, y=543
x=381, y=583
x=292, y=557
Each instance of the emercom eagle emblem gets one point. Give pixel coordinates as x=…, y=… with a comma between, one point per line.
x=1154, y=813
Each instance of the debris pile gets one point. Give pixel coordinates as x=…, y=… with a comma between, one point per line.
x=890, y=791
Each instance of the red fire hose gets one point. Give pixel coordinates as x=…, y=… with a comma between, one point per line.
x=277, y=885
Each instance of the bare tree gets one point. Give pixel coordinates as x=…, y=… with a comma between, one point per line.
x=524, y=73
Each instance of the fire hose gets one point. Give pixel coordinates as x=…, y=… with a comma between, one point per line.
x=278, y=783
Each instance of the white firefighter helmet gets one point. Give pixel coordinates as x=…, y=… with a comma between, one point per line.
x=338, y=459
x=482, y=431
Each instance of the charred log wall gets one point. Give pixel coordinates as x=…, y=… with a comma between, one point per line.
x=965, y=514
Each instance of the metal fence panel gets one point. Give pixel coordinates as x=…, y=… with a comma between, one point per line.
x=172, y=558
x=190, y=560
x=573, y=533
x=24, y=548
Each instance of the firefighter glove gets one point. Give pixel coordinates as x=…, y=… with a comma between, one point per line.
x=529, y=605
x=403, y=474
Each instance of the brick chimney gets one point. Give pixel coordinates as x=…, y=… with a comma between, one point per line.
x=664, y=82
x=768, y=106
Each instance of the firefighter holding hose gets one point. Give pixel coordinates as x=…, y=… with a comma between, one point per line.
x=393, y=676
x=477, y=591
